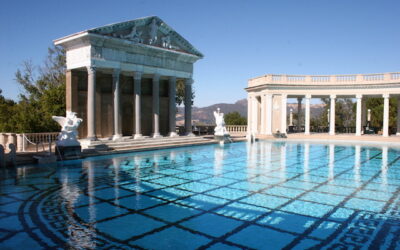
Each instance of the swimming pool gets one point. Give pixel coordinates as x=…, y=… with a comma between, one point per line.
x=263, y=195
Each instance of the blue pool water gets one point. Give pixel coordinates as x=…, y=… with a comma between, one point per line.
x=263, y=196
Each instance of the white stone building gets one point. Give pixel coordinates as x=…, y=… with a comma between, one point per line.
x=268, y=94
x=121, y=78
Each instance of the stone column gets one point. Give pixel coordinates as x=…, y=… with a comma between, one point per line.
x=358, y=115
x=332, y=115
x=91, y=104
x=283, y=114
x=307, y=116
x=255, y=114
x=269, y=114
x=116, y=92
x=172, y=106
x=188, y=106
x=249, y=115
x=398, y=116
x=262, y=111
x=156, y=106
x=71, y=92
x=385, y=115
x=137, y=81
x=299, y=99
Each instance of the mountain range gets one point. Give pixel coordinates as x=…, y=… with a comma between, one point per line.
x=205, y=115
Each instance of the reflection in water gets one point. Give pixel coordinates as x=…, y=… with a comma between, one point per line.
x=283, y=161
x=306, y=160
x=357, y=163
x=116, y=164
x=384, y=166
x=218, y=159
x=331, y=164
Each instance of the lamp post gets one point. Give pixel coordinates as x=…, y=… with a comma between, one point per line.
x=369, y=118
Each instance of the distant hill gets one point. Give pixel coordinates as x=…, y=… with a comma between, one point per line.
x=205, y=115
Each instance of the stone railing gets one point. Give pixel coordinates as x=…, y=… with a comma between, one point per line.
x=28, y=141
x=236, y=129
x=393, y=77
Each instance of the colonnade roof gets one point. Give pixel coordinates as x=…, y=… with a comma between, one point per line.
x=325, y=80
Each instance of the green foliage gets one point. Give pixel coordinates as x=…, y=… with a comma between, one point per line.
x=43, y=96
x=234, y=118
x=180, y=92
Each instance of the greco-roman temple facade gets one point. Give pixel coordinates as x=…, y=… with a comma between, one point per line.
x=268, y=94
x=121, y=78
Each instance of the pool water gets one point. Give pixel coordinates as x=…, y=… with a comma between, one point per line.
x=265, y=195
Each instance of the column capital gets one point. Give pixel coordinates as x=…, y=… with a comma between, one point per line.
x=188, y=81
x=359, y=96
x=156, y=77
x=299, y=99
x=308, y=96
x=116, y=73
x=91, y=69
x=284, y=95
x=385, y=95
x=172, y=78
x=333, y=96
x=137, y=75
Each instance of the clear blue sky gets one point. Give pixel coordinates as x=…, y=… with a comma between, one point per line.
x=240, y=39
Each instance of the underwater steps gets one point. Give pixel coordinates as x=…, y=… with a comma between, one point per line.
x=126, y=144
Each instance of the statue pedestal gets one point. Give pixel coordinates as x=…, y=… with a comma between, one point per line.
x=69, y=152
x=223, y=138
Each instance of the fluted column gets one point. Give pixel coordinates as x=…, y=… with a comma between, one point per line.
x=307, y=115
x=249, y=116
x=262, y=109
x=332, y=115
x=385, y=115
x=172, y=106
x=116, y=93
x=398, y=116
x=91, y=104
x=359, y=115
x=269, y=114
x=283, y=114
x=188, y=106
x=137, y=80
x=156, y=106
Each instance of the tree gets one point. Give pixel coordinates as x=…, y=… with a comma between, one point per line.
x=234, y=118
x=180, y=92
x=43, y=95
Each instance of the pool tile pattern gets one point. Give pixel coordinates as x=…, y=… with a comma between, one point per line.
x=239, y=196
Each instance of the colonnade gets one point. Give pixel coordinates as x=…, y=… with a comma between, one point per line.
x=116, y=91
x=262, y=107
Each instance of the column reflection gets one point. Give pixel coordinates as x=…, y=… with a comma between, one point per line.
x=283, y=161
x=357, y=163
x=116, y=163
x=331, y=165
x=384, y=167
x=306, y=167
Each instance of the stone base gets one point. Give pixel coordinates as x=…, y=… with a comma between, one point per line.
x=223, y=138
x=68, y=152
x=173, y=134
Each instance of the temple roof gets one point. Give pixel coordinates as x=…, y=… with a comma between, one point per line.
x=147, y=30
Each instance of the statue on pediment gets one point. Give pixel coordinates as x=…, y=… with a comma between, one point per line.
x=166, y=42
x=134, y=35
x=153, y=31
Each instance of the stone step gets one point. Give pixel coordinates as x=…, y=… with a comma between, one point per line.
x=181, y=138
x=144, y=143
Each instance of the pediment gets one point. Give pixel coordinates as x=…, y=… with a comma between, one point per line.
x=150, y=31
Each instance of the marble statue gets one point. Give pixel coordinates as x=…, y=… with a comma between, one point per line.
x=153, y=31
x=134, y=35
x=166, y=42
x=69, y=126
x=220, y=129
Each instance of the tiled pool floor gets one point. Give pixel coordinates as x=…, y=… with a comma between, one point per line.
x=262, y=196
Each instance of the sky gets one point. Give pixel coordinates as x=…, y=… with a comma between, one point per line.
x=240, y=39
